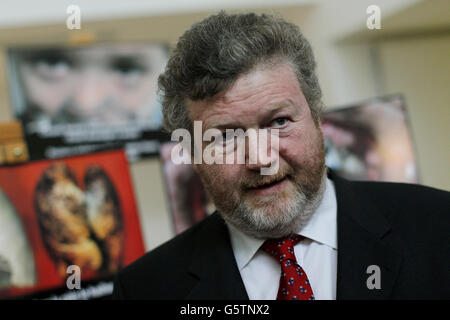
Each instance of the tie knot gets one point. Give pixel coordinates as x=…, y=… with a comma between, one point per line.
x=283, y=248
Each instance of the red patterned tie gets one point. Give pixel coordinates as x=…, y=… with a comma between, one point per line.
x=294, y=284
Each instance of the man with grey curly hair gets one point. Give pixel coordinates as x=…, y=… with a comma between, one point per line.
x=210, y=64
x=275, y=236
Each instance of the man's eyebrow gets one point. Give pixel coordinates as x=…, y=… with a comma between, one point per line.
x=222, y=125
x=278, y=108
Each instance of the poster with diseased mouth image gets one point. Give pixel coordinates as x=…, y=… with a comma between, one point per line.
x=75, y=100
x=63, y=219
x=371, y=140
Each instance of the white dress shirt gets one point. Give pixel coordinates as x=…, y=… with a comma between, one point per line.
x=316, y=254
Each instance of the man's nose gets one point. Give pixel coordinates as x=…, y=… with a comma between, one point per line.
x=259, y=151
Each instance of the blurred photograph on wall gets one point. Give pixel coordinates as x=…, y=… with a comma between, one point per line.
x=60, y=217
x=371, y=141
x=188, y=201
x=74, y=100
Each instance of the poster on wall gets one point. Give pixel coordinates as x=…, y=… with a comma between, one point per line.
x=66, y=226
x=366, y=141
x=371, y=140
x=75, y=100
x=188, y=201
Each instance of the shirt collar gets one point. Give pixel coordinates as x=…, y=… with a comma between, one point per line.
x=244, y=246
x=320, y=228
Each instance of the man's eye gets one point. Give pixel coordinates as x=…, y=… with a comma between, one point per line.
x=52, y=69
x=279, y=122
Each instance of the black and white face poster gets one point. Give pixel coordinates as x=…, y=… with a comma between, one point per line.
x=75, y=100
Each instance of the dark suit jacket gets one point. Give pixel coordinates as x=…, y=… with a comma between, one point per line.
x=404, y=229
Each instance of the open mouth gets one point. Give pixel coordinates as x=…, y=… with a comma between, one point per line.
x=269, y=188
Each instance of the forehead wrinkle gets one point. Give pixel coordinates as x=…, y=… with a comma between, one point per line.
x=240, y=93
x=219, y=123
x=253, y=96
x=265, y=100
x=264, y=84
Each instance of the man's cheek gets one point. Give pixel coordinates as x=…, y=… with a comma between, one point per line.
x=291, y=151
x=228, y=173
x=214, y=173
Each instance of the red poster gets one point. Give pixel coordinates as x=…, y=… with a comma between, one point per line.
x=54, y=214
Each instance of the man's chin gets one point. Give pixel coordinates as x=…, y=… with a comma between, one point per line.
x=275, y=215
x=268, y=206
x=274, y=219
x=264, y=225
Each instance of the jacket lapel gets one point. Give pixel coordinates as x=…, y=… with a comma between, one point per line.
x=214, y=265
x=364, y=239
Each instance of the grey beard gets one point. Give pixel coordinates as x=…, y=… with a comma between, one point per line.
x=293, y=215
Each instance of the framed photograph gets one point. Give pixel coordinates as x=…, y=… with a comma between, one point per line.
x=371, y=141
x=74, y=100
x=188, y=201
x=67, y=220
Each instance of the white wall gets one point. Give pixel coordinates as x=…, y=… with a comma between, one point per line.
x=346, y=72
x=420, y=68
